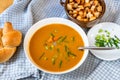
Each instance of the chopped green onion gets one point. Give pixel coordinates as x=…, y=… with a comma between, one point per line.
x=97, y=44
x=97, y=37
x=103, y=40
x=58, y=50
x=115, y=43
x=110, y=42
x=45, y=58
x=51, y=47
x=66, y=48
x=73, y=39
x=69, y=53
x=46, y=47
x=60, y=63
x=61, y=39
x=107, y=32
x=52, y=35
x=41, y=55
x=100, y=30
x=116, y=37
x=53, y=61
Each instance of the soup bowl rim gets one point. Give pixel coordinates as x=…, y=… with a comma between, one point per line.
x=54, y=20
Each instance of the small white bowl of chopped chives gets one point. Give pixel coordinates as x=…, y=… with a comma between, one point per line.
x=106, y=34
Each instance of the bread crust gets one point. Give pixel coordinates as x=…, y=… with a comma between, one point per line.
x=9, y=40
x=6, y=53
x=12, y=38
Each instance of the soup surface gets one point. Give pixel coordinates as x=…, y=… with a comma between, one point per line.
x=54, y=47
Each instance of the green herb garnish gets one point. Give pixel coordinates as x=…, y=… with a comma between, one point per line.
x=66, y=48
x=53, y=61
x=104, y=40
x=46, y=47
x=41, y=55
x=60, y=63
x=45, y=58
x=100, y=30
x=51, y=47
x=61, y=39
x=52, y=35
x=107, y=32
x=69, y=52
x=58, y=50
x=117, y=38
x=73, y=39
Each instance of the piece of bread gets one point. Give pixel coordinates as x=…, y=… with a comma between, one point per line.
x=1, y=45
x=4, y=4
x=9, y=40
x=10, y=36
x=6, y=53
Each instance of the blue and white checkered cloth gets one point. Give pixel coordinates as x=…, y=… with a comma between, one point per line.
x=24, y=13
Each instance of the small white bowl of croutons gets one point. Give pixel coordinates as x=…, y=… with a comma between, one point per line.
x=85, y=13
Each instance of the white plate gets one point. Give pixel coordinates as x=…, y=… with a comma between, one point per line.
x=114, y=29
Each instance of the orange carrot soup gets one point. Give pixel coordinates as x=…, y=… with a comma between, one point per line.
x=54, y=47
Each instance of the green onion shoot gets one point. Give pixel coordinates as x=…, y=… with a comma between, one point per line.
x=60, y=63
x=53, y=61
x=73, y=39
x=41, y=55
x=105, y=40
